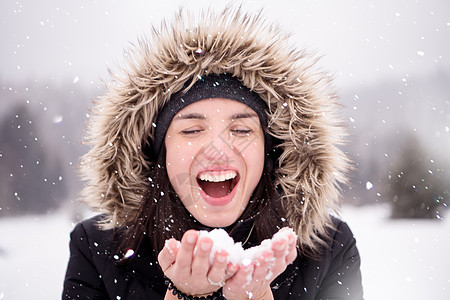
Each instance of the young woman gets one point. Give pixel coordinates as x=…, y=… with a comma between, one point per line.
x=215, y=124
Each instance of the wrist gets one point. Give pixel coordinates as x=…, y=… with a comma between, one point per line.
x=266, y=294
x=174, y=293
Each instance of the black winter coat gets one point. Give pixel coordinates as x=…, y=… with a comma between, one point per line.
x=95, y=272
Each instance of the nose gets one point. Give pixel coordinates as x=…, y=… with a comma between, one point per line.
x=219, y=147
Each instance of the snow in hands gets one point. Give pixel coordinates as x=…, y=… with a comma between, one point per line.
x=237, y=255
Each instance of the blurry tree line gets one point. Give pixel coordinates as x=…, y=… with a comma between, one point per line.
x=399, y=136
x=417, y=183
x=399, y=141
x=41, y=128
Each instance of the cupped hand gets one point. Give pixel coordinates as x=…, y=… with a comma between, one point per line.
x=252, y=279
x=191, y=272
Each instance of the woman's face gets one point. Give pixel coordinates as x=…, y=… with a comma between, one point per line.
x=215, y=158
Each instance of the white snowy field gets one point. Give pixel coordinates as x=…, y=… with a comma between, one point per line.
x=407, y=259
x=401, y=259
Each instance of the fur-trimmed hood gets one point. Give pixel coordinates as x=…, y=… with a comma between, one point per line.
x=302, y=109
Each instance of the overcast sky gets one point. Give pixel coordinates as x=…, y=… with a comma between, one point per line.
x=362, y=41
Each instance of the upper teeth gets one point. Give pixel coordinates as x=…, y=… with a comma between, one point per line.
x=218, y=177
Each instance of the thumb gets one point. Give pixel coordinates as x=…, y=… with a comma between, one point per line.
x=168, y=254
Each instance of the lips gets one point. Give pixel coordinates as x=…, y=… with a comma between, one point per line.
x=218, y=186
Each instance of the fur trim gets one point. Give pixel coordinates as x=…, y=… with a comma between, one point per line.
x=302, y=114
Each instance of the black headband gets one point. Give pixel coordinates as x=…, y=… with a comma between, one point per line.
x=209, y=86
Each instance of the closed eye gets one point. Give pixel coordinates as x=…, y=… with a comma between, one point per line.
x=241, y=132
x=191, y=131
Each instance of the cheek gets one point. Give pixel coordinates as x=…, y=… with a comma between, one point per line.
x=252, y=149
x=179, y=157
x=253, y=156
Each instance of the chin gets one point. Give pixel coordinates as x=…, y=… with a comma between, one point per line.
x=218, y=216
x=216, y=221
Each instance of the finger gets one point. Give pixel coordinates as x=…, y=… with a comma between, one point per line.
x=185, y=253
x=279, y=248
x=243, y=277
x=263, y=269
x=292, y=254
x=173, y=245
x=217, y=272
x=168, y=254
x=200, y=262
x=231, y=270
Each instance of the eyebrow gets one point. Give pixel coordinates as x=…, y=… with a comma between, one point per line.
x=243, y=116
x=190, y=116
x=197, y=116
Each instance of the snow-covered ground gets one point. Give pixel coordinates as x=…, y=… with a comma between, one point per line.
x=33, y=256
x=401, y=259
x=407, y=259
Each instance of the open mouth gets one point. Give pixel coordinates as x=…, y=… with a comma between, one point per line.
x=218, y=184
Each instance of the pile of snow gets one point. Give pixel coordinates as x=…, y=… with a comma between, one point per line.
x=236, y=253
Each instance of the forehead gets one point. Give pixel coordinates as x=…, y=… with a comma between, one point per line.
x=215, y=107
